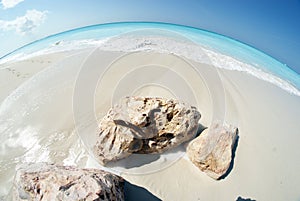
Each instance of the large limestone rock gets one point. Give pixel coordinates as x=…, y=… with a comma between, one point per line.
x=144, y=125
x=211, y=152
x=45, y=182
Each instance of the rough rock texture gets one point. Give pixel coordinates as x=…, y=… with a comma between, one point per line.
x=45, y=182
x=211, y=152
x=144, y=125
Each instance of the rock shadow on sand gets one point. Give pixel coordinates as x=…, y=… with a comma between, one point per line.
x=140, y=160
x=133, y=193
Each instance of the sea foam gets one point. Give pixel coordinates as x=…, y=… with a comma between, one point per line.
x=186, y=49
x=194, y=52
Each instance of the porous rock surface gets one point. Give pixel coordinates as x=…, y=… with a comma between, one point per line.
x=212, y=151
x=43, y=182
x=144, y=125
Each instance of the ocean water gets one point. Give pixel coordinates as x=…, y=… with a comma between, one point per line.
x=200, y=46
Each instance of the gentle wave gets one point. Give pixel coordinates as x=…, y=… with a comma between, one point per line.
x=187, y=49
x=57, y=47
x=196, y=53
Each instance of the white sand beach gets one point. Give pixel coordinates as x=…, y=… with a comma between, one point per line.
x=60, y=95
x=14, y=74
x=266, y=158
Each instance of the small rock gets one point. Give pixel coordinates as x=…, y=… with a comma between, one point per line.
x=244, y=199
x=50, y=182
x=144, y=125
x=211, y=152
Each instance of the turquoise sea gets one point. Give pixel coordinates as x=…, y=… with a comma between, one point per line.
x=221, y=51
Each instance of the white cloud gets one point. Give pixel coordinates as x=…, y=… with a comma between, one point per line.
x=10, y=3
x=25, y=24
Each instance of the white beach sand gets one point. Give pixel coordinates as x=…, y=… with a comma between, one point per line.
x=14, y=74
x=266, y=162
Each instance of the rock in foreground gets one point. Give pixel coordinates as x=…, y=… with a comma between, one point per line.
x=211, y=152
x=144, y=125
x=49, y=182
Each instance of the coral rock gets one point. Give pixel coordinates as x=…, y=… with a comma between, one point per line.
x=212, y=151
x=49, y=182
x=144, y=125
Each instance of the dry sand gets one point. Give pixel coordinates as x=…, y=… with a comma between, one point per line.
x=266, y=161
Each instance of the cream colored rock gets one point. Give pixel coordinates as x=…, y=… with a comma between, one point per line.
x=144, y=125
x=50, y=182
x=211, y=152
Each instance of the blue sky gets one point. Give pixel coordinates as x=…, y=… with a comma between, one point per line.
x=271, y=26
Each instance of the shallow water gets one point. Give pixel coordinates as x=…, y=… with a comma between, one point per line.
x=199, y=45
